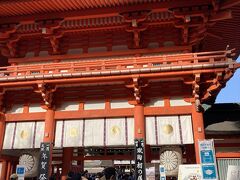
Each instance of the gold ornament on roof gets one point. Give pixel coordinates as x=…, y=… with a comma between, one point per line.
x=24, y=134
x=73, y=132
x=115, y=130
x=167, y=129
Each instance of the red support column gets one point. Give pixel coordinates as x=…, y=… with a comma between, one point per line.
x=66, y=162
x=49, y=132
x=8, y=170
x=198, y=130
x=4, y=170
x=2, y=130
x=139, y=122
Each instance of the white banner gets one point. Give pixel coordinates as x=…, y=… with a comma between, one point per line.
x=115, y=131
x=23, y=135
x=190, y=171
x=169, y=130
x=233, y=172
x=130, y=129
x=9, y=135
x=73, y=133
x=94, y=132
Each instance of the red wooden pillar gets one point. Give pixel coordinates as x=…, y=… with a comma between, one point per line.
x=139, y=122
x=8, y=170
x=2, y=130
x=49, y=132
x=66, y=162
x=198, y=130
x=4, y=170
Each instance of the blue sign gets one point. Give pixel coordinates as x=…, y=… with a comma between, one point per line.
x=209, y=172
x=20, y=170
x=208, y=159
x=207, y=156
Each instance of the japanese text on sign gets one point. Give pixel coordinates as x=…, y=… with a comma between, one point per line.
x=44, y=161
x=139, y=159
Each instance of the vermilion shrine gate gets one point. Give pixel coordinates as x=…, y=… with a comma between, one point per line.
x=91, y=76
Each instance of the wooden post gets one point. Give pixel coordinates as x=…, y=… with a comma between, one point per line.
x=4, y=170
x=8, y=170
x=198, y=130
x=66, y=162
x=49, y=132
x=139, y=142
x=139, y=122
x=2, y=130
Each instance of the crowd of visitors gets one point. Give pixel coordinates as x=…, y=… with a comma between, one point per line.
x=109, y=173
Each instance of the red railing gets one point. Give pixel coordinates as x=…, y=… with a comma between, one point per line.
x=111, y=64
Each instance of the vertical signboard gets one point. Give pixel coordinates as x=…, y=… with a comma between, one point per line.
x=139, y=159
x=44, y=161
x=208, y=159
x=162, y=172
x=20, y=171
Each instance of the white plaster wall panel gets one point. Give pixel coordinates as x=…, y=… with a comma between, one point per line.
x=24, y=135
x=17, y=108
x=43, y=53
x=97, y=49
x=29, y=54
x=39, y=134
x=36, y=108
x=117, y=104
x=92, y=105
x=178, y=101
x=168, y=130
x=115, y=131
x=75, y=51
x=69, y=106
x=58, y=134
x=94, y=132
x=153, y=45
x=119, y=47
x=73, y=133
x=155, y=102
x=8, y=137
x=150, y=130
x=130, y=128
x=187, y=132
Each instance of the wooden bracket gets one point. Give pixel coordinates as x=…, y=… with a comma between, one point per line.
x=137, y=86
x=214, y=87
x=196, y=92
x=51, y=32
x=135, y=19
x=46, y=92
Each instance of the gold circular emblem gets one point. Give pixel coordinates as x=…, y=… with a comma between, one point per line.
x=24, y=134
x=167, y=129
x=73, y=132
x=115, y=130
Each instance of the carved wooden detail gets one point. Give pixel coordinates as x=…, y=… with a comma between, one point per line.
x=46, y=92
x=137, y=85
